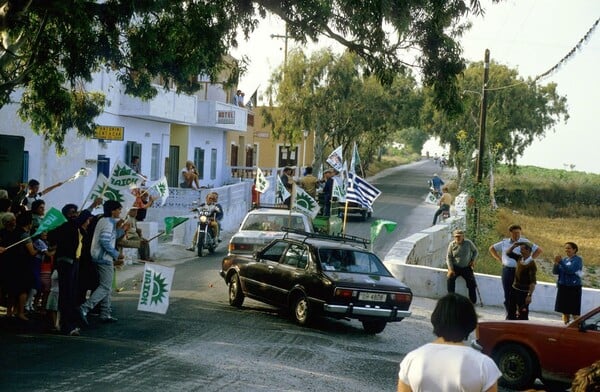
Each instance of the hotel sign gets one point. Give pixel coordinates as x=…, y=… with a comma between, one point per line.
x=225, y=117
x=109, y=133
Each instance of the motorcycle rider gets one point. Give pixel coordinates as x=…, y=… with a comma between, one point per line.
x=436, y=183
x=215, y=210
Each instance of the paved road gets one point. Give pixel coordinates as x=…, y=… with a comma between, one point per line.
x=203, y=344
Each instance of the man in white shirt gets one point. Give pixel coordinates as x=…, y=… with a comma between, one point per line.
x=509, y=266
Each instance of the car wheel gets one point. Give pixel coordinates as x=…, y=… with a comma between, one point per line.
x=374, y=326
x=200, y=244
x=236, y=295
x=301, y=310
x=517, y=365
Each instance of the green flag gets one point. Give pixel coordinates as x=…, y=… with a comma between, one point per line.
x=172, y=222
x=52, y=220
x=305, y=204
x=380, y=224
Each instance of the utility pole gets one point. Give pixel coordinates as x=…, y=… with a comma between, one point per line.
x=483, y=116
x=285, y=44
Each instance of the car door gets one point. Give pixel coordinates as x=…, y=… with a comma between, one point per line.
x=573, y=348
x=290, y=271
x=258, y=275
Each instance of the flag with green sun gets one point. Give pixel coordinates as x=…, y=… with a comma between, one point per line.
x=155, y=289
x=102, y=188
x=305, y=204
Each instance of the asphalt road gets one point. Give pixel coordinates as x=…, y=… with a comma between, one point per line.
x=203, y=344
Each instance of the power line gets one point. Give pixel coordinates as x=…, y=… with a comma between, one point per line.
x=560, y=63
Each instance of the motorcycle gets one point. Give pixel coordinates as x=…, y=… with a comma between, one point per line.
x=206, y=239
x=434, y=192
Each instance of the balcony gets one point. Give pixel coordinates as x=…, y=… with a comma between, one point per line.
x=166, y=106
x=222, y=115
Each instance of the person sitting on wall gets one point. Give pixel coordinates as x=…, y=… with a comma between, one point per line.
x=189, y=176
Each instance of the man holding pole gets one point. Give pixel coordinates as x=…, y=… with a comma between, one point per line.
x=460, y=259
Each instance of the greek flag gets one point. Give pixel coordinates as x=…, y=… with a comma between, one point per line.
x=360, y=191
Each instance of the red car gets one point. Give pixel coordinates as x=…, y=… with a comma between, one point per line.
x=552, y=352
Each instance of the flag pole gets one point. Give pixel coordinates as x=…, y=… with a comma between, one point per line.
x=17, y=243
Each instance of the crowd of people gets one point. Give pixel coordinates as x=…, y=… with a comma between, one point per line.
x=65, y=273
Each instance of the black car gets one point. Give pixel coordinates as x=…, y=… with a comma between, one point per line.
x=314, y=274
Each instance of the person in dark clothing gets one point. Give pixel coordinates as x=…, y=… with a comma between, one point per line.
x=328, y=191
x=66, y=240
x=88, y=276
x=524, y=283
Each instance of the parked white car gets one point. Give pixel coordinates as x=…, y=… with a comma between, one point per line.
x=263, y=225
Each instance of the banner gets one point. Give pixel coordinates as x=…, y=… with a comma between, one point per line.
x=172, y=222
x=336, y=159
x=102, y=188
x=53, y=219
x=305, y=203
x=155, y=289
x=262, y=184
x=122, y=176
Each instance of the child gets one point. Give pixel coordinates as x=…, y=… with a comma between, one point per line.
x=40, y=245
x=52, y=304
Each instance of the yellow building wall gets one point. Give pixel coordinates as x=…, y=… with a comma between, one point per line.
x=268, y=148
x=180, y=137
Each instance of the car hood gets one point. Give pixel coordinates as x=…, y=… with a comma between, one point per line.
x=366, y=281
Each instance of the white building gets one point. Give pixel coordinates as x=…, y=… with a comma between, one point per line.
x=164, y=132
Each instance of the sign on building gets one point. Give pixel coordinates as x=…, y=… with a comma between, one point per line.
x=225, y=117
x=109, y=133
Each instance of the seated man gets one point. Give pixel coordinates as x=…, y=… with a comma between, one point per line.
x=133, y=237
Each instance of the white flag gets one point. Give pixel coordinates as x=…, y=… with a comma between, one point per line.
x=262, y=184
x=122, y=176
x=305, y=203
x=104, y=189
x=161, y=189
x=336, y=159
x=155, y=289
x=282, y=193
x=355, y=161
x=338, y=190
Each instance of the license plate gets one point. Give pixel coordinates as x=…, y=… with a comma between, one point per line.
x=373, y=297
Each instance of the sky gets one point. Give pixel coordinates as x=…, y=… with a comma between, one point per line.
x=529, y=35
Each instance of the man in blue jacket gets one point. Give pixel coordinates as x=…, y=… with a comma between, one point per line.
x=105, y=255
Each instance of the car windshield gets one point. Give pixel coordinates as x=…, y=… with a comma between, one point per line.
x=264, y=222
x=354, y=261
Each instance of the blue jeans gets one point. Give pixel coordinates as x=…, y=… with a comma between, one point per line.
x=102, y=293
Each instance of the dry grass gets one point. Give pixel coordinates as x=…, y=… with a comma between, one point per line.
x=551, y=234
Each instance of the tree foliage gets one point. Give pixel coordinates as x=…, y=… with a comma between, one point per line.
x=55, y=45
x=519, y=111
x=333, y=96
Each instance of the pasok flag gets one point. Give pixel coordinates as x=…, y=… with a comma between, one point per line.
x=360, y=191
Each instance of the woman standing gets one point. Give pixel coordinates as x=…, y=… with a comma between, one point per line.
x=447, y=364
x=569, y=270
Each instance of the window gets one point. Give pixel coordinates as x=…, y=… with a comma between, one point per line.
x=213, y=164
x=274, y=252
x=296, y=256
x=199, y=161
x=155, y=164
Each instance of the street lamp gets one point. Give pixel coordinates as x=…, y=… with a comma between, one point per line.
x=305, y=132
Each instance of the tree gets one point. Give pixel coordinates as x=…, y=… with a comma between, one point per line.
x=52, y=48
x=518, y=111
x=334, y=96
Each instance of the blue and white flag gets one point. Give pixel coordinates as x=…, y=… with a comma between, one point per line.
x=360, y=191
